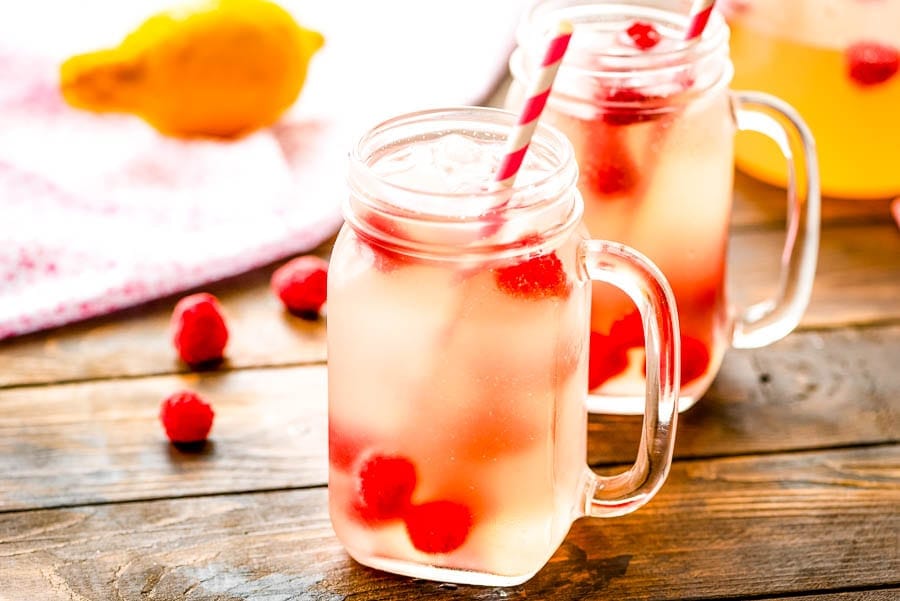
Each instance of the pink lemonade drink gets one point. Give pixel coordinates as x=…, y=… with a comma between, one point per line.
x=457, y=354
x=838, y=62
x=653, y=124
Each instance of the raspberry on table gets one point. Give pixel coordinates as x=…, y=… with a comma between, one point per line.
x=537, y=278
x=644, y=35
x=385, y=484
x=186, y=417
x=438, y=526
x=872, y=63
x=302, y=285
x=199, y=332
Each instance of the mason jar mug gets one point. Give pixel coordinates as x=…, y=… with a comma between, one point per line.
x=457, y=354
x=653, y=124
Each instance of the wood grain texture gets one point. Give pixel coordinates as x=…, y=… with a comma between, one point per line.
x=886, y=594
x=858, y=281
x=730, y=527
x=810, y=390
x=759, y=204
x=102, y=442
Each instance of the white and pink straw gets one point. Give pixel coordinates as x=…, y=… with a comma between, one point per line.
x=699, y=17
x=520, y=137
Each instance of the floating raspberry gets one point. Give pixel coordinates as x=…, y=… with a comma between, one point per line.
x=644, y=35
x=186, y=417
x=344, y=446
x=438, y=526
x=606, y=360
x=628, y=331
x=537, y=278
x=871, y=63
x=694, y=359
x=385, y=485
x=302, y=285
x=385, y=259
x=199, y=330
x=732, y=8
x=606, y=165
x=624, y=106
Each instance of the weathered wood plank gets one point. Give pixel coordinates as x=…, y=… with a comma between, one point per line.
x=774, y=525
x=101, y=441
x=757, y=204
x=886, y=594
x=810, y=390
x=858, y=282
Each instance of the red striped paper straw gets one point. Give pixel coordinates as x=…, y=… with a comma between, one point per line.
x=700, y=13
x=520, y=136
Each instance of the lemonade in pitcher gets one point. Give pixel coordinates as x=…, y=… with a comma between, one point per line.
x=837, y=62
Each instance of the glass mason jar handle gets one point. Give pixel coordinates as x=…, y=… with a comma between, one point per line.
x=634, y=274
x=770, y=320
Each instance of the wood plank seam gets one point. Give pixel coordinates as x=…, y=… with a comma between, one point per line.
x=832, y=223
x=864, y=324
x=225, y=368
x=762, y=453
x=314, y=486
x=154, y=498
x=222, y=369
x=887, y=586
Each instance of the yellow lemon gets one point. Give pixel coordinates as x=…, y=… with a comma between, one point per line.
x=222, y=68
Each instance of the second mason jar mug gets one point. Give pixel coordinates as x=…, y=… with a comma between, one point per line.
x=457, y=354
x=653, y=124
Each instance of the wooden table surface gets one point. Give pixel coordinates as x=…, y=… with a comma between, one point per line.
x=786, y=483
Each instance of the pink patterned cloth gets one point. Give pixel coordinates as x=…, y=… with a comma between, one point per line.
x=98, y=213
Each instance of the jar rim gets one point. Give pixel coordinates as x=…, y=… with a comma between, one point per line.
x=427, y=223
x=363, y=178
x=543, y=15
